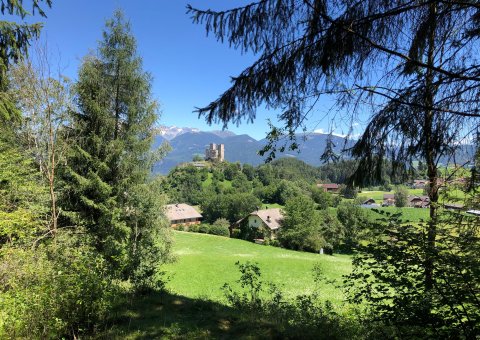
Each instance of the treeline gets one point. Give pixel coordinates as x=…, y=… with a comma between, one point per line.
x=80, y=216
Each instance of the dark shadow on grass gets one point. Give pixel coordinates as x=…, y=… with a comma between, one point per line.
x=164, y=315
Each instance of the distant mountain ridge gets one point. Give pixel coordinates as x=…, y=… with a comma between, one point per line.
x=187, y=142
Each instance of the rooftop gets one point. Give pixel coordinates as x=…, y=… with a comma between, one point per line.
x=181, y=211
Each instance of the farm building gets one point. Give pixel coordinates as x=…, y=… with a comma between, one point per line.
x=182, y=214
x=265, y=223
x=388, y=200
x=329, y=187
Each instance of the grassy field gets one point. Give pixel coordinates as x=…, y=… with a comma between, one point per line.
x=409, y=215
x=208, y=182
x=194, y=307
x=206, y=262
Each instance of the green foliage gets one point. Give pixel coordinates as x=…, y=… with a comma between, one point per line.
x=59, y=289
x=389, y=278
x=203, y=228
x=353, y=219
x=401, y=196
x=219, y=230
x=16, y=39
x=231, y=170
x=304, y=315
x=306, y=228
x=241, y=183
x=301, y=225
x=22, y=194
x=232, y=207
x=109, y=164
x=184, y=185
x=322, y=198
x=348, y=191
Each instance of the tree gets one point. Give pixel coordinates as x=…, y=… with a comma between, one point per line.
x=185, y=185
x=353, y=219
x=249, y=171
x=421, y=85
x=321, y=197
x=45, y=101
x=401, y=196
x=385, y=276
x=198, y=157
x=232, y=207
x=110, y=162
x=14, y=43
x=301, y=226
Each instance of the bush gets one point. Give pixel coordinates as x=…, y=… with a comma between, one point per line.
x=303, y=315
x=204, y=228
x=236, y=233
x=219, y=230
x=181, y=227
x=193, y=228
x=55, y=291
x=275, y=243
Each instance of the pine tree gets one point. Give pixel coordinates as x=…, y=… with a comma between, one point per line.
x=15, y=39
x=111, y=161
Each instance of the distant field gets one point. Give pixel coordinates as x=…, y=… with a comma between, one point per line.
x=376, y=195
x=206, y=262
x=413, y=215
x=208, y=182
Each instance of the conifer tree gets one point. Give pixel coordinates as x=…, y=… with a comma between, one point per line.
x=111, y=161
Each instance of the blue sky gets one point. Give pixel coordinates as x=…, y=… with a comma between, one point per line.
x=189, y=69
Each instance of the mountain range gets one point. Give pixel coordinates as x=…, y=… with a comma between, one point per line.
x=188, y=142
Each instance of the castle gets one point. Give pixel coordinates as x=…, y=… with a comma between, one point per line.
x=215, y=152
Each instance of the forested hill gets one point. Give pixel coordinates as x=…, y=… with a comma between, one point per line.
x=241, y=148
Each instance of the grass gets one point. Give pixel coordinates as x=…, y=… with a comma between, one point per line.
x=409, y=215
x=272, y=205
x=208, y=182
x=206, y=262
x=194, y=307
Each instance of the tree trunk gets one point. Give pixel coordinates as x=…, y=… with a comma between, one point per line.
x=430, y=153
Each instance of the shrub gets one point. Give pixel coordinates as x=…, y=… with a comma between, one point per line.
x=204, y=228
x=193, y=228
x=181, y=227
x=58, y=290
x=222, y=222
x=235, y=233
x=219, y=230
x=303, y=315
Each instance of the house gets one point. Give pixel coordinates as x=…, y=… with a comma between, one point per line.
x=267, y=222
x=419, y=183
x=369, y=203
x=388, y=200
x=182, y=213
x=264, y=223
x=418, y=201
x=329, y=187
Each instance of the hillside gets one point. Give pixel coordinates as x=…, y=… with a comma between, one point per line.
x=206, y=262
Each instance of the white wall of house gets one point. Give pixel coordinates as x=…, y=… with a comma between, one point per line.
x=256, y=222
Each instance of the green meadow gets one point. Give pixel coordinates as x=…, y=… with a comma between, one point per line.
x=204, y=263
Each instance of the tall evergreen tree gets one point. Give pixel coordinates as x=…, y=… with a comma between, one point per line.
x=111, y=160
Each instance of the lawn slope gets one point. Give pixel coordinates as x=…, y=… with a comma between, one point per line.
x=205, y=262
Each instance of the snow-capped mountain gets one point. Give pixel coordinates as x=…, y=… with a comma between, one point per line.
x=170, y=132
